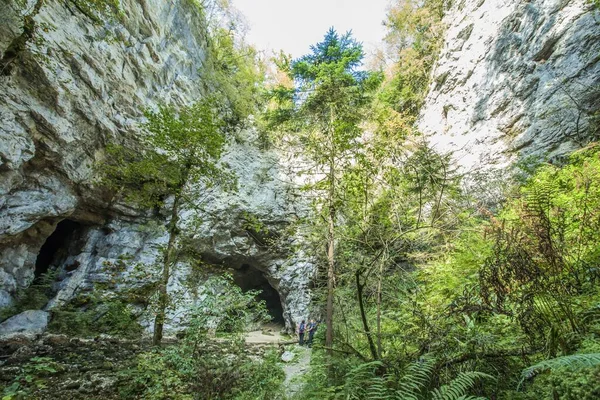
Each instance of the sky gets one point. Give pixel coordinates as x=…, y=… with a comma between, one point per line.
x=294, y=25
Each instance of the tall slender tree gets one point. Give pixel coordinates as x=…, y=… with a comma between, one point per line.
x=180, y=149
x=324, y=110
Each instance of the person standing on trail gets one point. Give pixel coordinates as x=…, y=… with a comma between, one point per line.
x=301, y=329
x=312, y=328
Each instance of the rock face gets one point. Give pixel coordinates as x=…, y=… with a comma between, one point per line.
x=77, y=87
x=80, y=85
x=515, y=80
x=27, y=325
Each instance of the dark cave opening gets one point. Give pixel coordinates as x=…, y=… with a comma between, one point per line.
x=56, y=247
x=251, y=278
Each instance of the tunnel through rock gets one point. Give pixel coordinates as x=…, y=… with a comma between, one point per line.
x=251, y=278
x=58, y=246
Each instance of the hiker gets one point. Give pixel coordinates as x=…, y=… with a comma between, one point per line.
x=312, y=328
x=301, y=329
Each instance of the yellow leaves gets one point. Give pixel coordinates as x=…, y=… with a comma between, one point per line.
x=410, y=21
x=413, y=42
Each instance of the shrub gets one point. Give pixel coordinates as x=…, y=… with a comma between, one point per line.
x=94, y=314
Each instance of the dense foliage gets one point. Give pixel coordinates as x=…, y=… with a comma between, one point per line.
x=233, y=71
x=471, y=291
x=199, y=367
x=429, y=289
x=429, y=279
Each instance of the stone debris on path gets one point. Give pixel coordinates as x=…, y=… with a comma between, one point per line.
x=295, y=370
x=260, y=337
x=287, y=357
x=296, y=358
x=269, y=334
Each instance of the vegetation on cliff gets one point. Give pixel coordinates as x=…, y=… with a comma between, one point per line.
x=427, y=288
x=437, y=295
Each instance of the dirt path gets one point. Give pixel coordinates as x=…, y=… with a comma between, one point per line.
x=295, y=370
x=270, y=334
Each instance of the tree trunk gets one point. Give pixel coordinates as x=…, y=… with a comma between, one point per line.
x=163, y=295
x=330, y=261
x=363, y=316
x=379, y=290
x=330, y=238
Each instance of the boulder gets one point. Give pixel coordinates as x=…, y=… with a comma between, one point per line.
x=287, y=356
x=26, y=325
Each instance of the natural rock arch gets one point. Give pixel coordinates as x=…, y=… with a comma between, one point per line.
x=250, y=278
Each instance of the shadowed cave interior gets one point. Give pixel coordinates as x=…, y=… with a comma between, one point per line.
x=251, y=278
x=58, y=246
x=66, y=240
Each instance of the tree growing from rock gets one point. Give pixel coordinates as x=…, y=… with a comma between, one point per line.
x=179, y=152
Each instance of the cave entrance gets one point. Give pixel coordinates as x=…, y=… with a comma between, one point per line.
x=56, y=248
x=250, y=278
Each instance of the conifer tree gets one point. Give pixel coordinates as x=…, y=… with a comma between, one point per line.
x=324, y=110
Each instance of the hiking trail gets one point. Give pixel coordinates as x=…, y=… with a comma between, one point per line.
x=270, y=335
x=295, y=369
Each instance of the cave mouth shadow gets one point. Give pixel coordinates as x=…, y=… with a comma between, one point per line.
x=251, y=278
x=61, y=243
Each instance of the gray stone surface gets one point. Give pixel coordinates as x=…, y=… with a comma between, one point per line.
x=287, y=356
x=515, y=80
x=26, y=325
x=77, y=87
x=80, y=86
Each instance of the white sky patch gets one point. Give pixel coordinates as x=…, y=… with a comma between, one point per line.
x=294, y=25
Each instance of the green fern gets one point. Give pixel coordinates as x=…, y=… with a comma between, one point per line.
x=414, y=380
x=572, y=361
x=362, y=383
x=457, y=389
x=540, y=196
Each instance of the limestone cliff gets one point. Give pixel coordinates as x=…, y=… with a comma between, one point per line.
x=80, y=84
x=515, y=80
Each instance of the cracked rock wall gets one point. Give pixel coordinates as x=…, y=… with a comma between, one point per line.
x=515, y=80
x=80, y=85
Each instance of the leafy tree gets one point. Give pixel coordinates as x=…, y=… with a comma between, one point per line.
x=324, y=111
x=180, y=151
x=411, y=46
x=232, y=71
x=234, y=74
x=198, y=368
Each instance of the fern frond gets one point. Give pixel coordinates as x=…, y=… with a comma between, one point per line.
x=457, y=389
x=362, y=383
x=572, y=361
x=540, y=196
x=415, y=379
